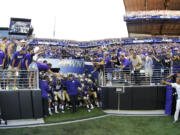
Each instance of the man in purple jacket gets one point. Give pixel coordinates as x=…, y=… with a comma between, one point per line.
x=43, y=85
x=72, y=89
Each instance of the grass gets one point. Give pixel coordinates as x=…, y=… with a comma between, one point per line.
x=67, y=116
x=111, y=125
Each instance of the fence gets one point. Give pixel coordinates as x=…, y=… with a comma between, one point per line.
x=130, y=77
x=17, y=80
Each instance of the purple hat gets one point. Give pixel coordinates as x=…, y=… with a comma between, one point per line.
x=23, y=49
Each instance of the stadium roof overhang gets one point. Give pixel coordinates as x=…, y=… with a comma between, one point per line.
x=153, y=17
x=154, y=27
x=139, y=5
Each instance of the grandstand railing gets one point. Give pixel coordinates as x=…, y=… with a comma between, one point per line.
x=129, y=77
x=19, y=80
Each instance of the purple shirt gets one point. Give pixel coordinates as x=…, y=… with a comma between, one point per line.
x=43, y=85
x=72, y=86
x=98, y=60
x=17, y=57
x=100, y=55
x=42, y=66
x=28, y=58
x=126, y=63
x=108, y=62
x=2, y=57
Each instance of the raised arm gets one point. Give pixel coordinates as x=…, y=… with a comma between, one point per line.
x=165, y=82
x=169, y=76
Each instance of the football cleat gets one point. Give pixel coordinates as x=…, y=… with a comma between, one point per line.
x=89, y=110
x=56, y=112
x=92, y=107
x=50, y=113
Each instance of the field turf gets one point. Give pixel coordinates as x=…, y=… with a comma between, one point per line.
x=67, y=116
x=110, y=125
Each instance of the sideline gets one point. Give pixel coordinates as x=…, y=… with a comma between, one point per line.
x=53, y=124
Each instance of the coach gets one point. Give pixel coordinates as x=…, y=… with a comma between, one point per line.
x=72, y=85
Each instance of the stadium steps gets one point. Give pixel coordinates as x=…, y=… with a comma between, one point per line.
x=136, y=112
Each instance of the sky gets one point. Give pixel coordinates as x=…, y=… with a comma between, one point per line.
x=80, y=20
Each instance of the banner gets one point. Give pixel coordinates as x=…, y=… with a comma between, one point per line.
x=74, y=66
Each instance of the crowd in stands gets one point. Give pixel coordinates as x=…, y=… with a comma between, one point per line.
x=155, y=60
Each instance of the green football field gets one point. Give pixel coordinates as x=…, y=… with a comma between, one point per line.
x=110, y=125
x=68, y=116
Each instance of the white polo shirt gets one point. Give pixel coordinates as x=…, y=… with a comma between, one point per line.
x=177, y=87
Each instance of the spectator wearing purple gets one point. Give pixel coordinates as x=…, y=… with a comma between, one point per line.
x=176, y=60
x=46, y=68
x=108, y=66
x=15, y=66
x=2, y=61
x=125, y=66
x=25, y=78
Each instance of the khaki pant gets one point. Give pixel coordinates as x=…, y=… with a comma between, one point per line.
x=62, y=95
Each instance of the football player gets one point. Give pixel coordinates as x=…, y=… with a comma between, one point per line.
x=86, y=96
x=92, y=91
x=59, y=92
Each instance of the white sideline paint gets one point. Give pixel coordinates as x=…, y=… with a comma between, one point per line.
x=25, y=121
x=136, y=112
x=52, y=124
